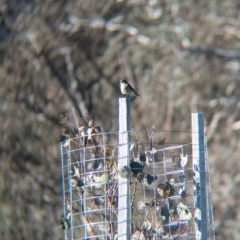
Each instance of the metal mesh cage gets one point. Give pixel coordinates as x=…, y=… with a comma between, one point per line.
x=90, y=187
x=163, y=191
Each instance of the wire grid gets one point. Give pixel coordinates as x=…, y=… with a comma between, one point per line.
x=162, y=190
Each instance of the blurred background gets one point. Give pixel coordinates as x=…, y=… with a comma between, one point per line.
x=56, y=56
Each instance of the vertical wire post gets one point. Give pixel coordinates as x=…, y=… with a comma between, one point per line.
x=66, y=183
x=199, y=179
x=211, y=231
x=123, y=160
x=63, y=184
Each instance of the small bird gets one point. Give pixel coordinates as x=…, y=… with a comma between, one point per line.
x=127, y=89
x=165, y=214
x=165, y=189
x=136, y=167
x=124, y=171
x=176, y=161
x=75, y=182
x=143, y=157
x=64, y=224
x=151, y=178
x=182, y=193
x=64, y=136
x=161, y=141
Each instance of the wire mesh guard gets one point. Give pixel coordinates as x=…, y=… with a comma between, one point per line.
x=161, y=179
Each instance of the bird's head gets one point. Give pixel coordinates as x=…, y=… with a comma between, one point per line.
x=123, y=81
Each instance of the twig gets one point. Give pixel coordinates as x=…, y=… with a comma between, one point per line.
x=133, y=196
x=219, y=52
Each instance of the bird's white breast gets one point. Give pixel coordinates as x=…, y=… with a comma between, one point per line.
x=123, y=88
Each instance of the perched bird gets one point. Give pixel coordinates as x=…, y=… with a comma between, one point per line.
x=64, y=136
x=136, y=167
x=165, y=190
x=92, y=132
x=124, y=171
x=94, y=164
x=161, y=141
x=143, y=157
x=176, y=161
x=75, y=182
x=64, y=224
x=183, y=212
x=182, y=193
x=180, y=160
x=151, y=178
x=165, y=214
x=127, y=89
x=99, y=182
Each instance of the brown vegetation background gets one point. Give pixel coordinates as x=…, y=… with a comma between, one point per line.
x=181, y=57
